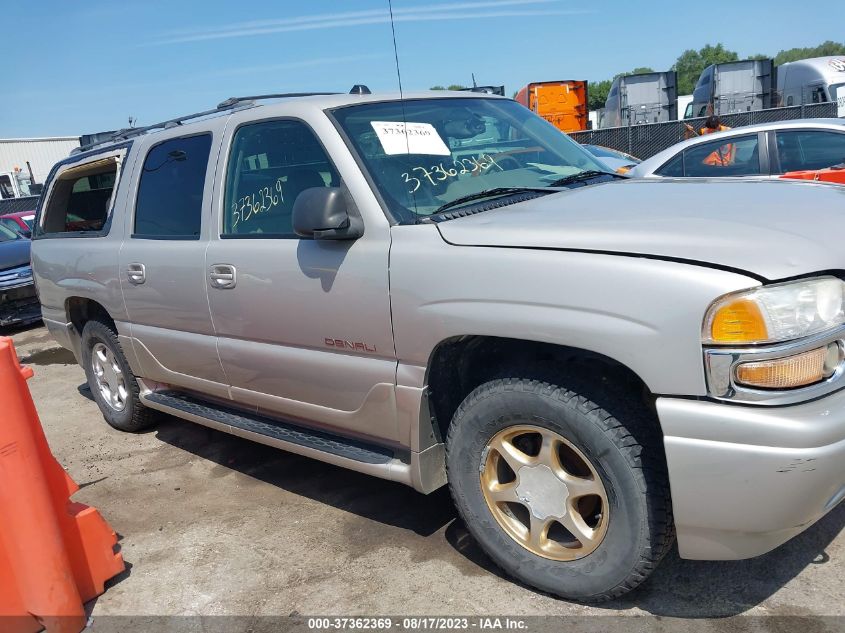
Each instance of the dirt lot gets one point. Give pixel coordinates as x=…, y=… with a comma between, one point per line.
x=213, y=524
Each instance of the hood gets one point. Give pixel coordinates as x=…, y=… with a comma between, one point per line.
x=14, y=253
x=773, y=229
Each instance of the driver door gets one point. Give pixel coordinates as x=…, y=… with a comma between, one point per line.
x=303, y=326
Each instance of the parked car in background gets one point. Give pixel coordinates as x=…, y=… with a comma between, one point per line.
x=620, y=162
x=444, y=289
x=21, y=222
x=18, y=301
x=765, y=150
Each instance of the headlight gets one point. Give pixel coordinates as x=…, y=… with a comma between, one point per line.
x=781, y=312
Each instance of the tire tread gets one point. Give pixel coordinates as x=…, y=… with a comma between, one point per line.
x=141, y=417
x=638, y=439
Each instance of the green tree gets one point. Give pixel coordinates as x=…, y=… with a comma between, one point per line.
x=597, y=93
x=438, y=87
x=642, y=70
x=690, y=63
x=822, y=50
x=451, y=87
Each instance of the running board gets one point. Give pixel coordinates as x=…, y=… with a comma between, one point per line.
x=349, y=453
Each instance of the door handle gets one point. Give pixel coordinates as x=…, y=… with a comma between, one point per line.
x=136, y=273
x=223, y=276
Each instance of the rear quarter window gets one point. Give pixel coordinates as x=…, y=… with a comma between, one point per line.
x=674, y=168
x=81, y=198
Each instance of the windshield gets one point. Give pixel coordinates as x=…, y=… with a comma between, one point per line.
x=7, y=234
x=454, y=148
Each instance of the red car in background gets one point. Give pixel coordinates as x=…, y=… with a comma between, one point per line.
x=20, y=222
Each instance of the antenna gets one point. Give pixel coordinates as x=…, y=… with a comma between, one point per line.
x=474, y=85
x=395, y=50
x=401, y=97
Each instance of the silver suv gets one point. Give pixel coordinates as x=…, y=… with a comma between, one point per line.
x=445, y=289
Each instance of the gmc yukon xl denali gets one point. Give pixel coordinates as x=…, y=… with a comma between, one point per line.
x=444, y=289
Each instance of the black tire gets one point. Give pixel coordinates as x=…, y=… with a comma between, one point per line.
x=620, y=440
x=134, y=416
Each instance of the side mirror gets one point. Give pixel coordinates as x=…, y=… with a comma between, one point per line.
x=323, y=214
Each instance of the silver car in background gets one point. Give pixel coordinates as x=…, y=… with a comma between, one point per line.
x=766, y=150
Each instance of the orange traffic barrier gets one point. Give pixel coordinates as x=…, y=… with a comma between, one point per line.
x=55, y=554
x=831, y=174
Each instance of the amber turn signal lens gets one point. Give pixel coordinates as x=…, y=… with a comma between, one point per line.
x=739, y=321
x=784, y=373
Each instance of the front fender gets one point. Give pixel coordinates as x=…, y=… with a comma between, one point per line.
x=644, y=313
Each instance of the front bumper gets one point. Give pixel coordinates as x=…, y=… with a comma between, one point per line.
x=19, y=305
x=747, y=479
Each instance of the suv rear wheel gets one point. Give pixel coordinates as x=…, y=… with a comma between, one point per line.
x=112, y=383
x=559, y=491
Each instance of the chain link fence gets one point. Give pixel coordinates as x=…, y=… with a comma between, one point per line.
x=16, y=205
x=646, y=140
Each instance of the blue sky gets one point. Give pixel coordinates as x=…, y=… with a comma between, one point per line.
x=77, y=67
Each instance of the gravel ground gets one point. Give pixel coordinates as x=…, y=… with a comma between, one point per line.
x=213, y=524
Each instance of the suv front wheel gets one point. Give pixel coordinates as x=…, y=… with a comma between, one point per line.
x=112, y=383
x=559, y=491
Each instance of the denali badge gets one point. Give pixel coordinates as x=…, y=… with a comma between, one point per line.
x=353, y=345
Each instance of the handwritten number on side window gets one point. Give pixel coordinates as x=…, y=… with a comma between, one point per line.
x=263, y=200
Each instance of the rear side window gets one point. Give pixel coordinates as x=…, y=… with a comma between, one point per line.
x=814, y=149
x=81, y=198
x=169, y=203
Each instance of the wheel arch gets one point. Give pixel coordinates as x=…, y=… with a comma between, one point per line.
x=80, y=310
x=459, y=364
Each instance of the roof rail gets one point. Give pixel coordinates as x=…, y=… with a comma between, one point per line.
x=131, y=132
x=228, y=104
x=233, y=101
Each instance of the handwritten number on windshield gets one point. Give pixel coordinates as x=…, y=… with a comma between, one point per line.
x=439, y=173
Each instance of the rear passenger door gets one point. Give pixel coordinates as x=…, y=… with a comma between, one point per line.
x=303, y=325
x=162, y=264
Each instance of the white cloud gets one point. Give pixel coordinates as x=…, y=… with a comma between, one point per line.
x=429, y=13
x=317, y=61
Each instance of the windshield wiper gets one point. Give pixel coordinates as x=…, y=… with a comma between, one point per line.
x=583, y=175
x=488, y=193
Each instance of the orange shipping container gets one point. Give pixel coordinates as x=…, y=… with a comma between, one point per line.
x=561, y=103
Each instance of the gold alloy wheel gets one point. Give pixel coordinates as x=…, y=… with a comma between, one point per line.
x=544, y=492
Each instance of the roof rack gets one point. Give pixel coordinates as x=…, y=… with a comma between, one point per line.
x=233, y=101
x=229, y=104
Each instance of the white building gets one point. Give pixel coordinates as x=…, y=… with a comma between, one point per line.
x=42, y=154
